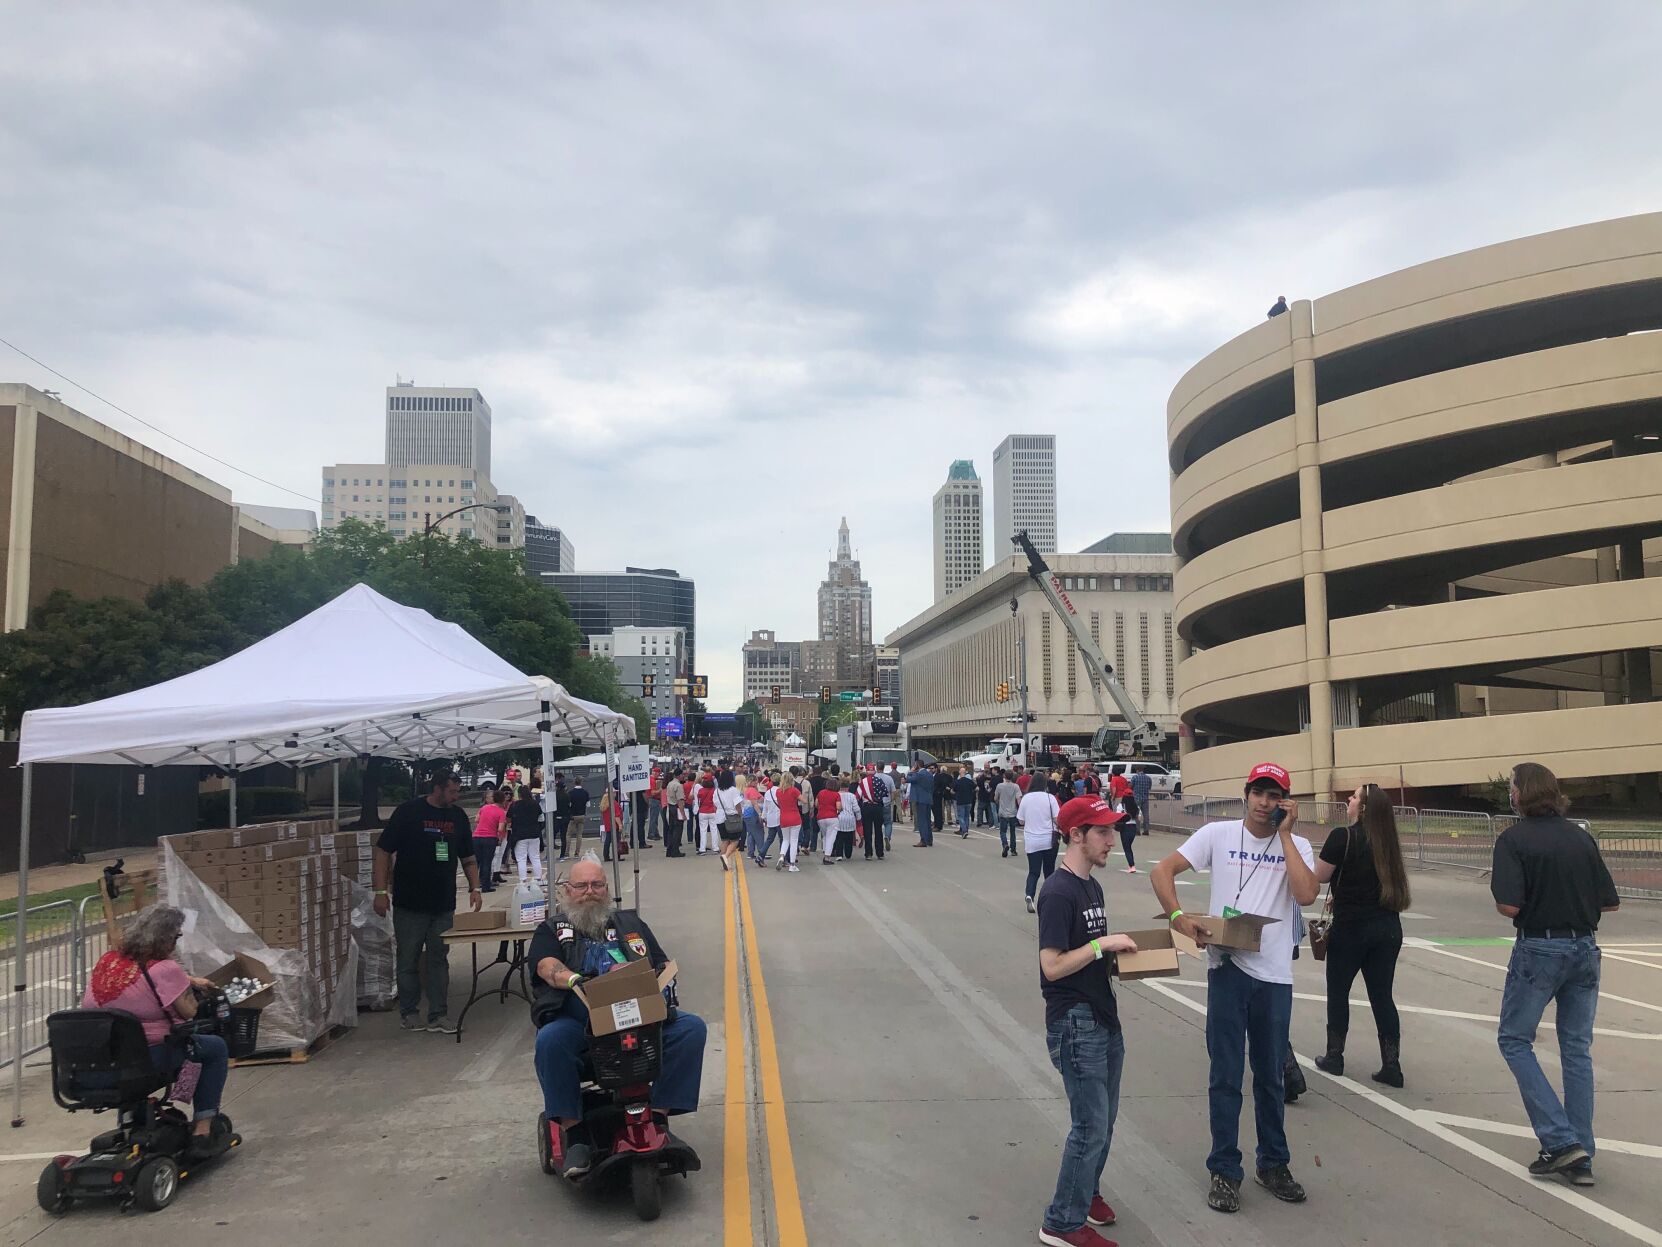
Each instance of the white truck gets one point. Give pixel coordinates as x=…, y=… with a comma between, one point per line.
x=1168, y=782
x=871, y=744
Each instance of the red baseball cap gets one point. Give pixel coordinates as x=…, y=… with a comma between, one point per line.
x=1087, y=812
x=1273, y=773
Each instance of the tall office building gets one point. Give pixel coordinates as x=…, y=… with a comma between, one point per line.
x=1024, y=492
x=957, y=510
x=770, y=663
x=408, y=498
x=438, y=424
x=602, y=602
x=638, y=652
x=547, y=549
x=845, y=599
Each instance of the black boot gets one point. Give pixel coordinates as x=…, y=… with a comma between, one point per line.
x=1292, y=1077
x=1334, y=1061
x=1390, y=1071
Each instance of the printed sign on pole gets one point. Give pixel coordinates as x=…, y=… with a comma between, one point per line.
x=635, y=767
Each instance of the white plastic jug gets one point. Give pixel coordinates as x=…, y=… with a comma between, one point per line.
x=530, y=905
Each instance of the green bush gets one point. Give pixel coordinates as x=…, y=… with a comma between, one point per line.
x=254, y=805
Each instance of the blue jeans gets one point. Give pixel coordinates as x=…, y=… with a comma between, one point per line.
x=1039, y=861
x=963, y=819
x=1244, y=1014
x=1089, y=1057
x=484, y=852
x=562, y=1041
x=1567, y=971
x=653, y=812
x=923, y=815
x=1007, y=833
x=888, y=824
x=211, y=1053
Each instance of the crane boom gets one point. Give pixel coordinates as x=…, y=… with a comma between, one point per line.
x=1144, y=735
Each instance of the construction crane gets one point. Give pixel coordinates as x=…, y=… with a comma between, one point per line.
x=1144, y=735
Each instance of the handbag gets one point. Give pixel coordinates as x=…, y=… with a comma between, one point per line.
x=1322, y=928
x=733, y=824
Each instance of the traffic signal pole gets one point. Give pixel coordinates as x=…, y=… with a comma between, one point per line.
x=1021, y=675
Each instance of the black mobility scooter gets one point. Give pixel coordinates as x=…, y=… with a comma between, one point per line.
x=101, y=1061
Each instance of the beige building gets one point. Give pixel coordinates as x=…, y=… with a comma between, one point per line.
x=89, y=510
x=956, y=512
x=770, y=663
x=955, y=654
x=409, y=497
x=1413, y=520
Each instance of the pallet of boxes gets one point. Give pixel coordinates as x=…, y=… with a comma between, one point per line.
x=273, y=894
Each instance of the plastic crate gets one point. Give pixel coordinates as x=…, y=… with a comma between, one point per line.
x=242, y=1033
x=628, y=1057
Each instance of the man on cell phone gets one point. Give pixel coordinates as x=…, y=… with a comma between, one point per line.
x=1258, y=867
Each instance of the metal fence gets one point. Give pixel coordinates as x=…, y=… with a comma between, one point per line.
x=55, y=970
x=1458, y=838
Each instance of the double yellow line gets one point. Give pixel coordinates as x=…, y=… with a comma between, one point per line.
x=790, y=1231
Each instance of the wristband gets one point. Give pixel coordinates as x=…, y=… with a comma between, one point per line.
x=575, y=979
x=1097, y=945
x=1175, y=915
x=380, y=891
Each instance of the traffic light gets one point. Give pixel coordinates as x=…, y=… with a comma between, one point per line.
x=773, y=693
x=876, y=694
x=647, y=682
x=700, y=686
x=825, y=692
x=1003, y=690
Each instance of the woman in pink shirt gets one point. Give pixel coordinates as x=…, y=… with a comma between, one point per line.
x=142, y=978
x=488, y=833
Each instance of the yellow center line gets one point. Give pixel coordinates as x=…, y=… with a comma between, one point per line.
x=735, y=1162
x=787, y=1200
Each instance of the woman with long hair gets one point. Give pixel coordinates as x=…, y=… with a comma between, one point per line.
x=1363, y=863
x=525, y=834
x=788, y=802
x=1037, y=813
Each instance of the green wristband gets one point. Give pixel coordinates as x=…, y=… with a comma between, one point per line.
x=1097, y=944
x=1175, y=915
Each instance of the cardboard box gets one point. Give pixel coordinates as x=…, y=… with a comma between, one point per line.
x=626, y=997
x=484, y=920
x=1240, y=934
x=1156, y=957
x=242, y=966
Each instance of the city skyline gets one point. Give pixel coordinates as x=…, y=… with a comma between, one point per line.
x=694, y=285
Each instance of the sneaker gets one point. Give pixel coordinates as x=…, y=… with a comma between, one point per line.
x=1549, y=1163
x=1224, y=1195
x=1580, y=1173
x=441, y=1026
x=410, y=1022
x=572, y=1160
x=724, y=866
x=1100, y=1213
x=828, y=861
x=791, y=869
x=1279, y=1183
x=1084, y=1236
x=1131, y=870
x=1030, y=908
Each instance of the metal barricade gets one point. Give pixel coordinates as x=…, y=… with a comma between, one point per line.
x=1464, y=838
x=54, y=968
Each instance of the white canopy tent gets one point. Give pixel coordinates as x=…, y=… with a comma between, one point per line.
x=360, y=676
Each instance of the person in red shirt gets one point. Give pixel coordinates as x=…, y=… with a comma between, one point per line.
x=828, y=806
x=1118, y=785
x=787, y=800
x=708, y=841
x=654, y=802
x=1023, y=779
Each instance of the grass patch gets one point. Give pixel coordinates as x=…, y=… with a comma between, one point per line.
x=8, y=905
x=53, y=923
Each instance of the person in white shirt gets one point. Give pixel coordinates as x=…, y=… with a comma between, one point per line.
x=1037, y=813
x=848, y=821
x=1258, y=867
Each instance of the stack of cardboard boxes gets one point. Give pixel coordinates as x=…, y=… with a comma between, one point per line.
x=282, y=880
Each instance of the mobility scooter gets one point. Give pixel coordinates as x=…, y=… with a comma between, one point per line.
x=631, y=1139
x=101, y=1061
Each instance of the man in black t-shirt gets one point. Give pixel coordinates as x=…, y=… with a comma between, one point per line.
x=423, y=841
x=1082, y=1022
x=1550, y=879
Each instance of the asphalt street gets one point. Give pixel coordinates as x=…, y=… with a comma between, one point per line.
x=877, y=1074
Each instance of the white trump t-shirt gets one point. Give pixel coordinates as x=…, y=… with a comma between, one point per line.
x=1249, y=875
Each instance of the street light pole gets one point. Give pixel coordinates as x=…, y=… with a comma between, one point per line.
x=431, y=523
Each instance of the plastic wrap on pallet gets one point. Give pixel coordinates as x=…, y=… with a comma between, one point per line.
x=377, y=967
x=215, y=932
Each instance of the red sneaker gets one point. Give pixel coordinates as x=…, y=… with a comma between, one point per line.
x=1100, y=1213
x=1084, y=1236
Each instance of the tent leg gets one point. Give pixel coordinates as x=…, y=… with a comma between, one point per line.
x=614, y=781
x=20, y=959
x=337, y=791
x=550, y=863
x=233, y=798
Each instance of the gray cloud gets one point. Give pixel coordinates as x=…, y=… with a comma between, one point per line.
x=729, y=271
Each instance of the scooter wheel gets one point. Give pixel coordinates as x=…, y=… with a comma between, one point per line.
x=545, y=1153
x=51, y=1192
x=156, y=1183
x=643, y=1186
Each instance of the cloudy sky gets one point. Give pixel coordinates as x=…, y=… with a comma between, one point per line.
x=727, y=272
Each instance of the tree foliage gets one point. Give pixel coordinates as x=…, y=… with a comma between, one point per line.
x=78, y=650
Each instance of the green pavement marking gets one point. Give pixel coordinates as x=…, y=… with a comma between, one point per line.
x=1490, y=941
